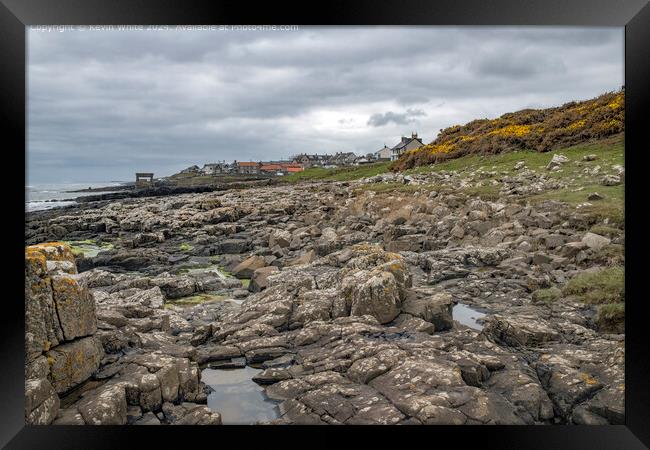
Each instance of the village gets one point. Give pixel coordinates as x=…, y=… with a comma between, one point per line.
x=303, y=161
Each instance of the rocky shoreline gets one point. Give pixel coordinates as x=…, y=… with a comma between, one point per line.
x=342, y=296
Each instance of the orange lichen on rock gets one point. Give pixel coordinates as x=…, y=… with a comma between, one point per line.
x=52, y=251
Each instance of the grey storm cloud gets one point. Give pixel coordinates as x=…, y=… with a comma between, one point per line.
x=105, y=104
x=378, y=119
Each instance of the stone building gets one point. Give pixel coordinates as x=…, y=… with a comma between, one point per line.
x=405, y=145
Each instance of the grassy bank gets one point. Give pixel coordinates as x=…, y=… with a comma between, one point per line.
x=338, y=174
x=605, y=289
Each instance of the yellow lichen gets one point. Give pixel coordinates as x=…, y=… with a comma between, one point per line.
x=588, y=379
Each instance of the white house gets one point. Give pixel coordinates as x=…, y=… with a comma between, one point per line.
x=405, y=145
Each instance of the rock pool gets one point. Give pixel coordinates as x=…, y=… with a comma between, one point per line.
x=238, y=399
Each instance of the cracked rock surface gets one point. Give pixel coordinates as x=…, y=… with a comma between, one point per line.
x=343, y=298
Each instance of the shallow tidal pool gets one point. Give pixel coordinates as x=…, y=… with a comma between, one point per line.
x=238, y=399
x=467, y=316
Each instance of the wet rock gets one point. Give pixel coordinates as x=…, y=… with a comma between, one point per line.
x=216, y=353
x=272, y=375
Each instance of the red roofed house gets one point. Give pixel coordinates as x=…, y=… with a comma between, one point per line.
x=271, y=168
x=249, y=168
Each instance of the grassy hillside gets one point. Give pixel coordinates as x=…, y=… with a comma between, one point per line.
x=338, y=174
x=493, y=168
x=540, y=130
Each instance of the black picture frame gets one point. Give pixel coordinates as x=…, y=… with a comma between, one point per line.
x=15, y=15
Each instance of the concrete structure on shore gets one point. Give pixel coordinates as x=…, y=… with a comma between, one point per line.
x=143, y=179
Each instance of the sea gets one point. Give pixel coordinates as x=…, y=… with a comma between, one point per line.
x=39, y=197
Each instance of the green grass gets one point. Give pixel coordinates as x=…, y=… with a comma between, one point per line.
x=185, y=247
x=338, y=174
x=395, y=187
x=606, y=230
x=609, y=151
x=245, y=282
x=88, y=248
x=546, y=295
x=611, y=318
x=604, y=286
x=486, y=192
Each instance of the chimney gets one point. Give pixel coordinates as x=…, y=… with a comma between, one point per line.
x=414, y=135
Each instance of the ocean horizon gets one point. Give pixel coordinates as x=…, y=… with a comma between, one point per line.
x=42, y=196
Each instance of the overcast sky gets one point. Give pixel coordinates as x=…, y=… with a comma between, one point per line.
x=105, y=104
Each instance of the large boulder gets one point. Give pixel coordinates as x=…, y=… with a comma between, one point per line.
x=373, y=293
x=305, y=258
x=595, y=241
x=231, y=246
x=520, y=331
x=41, y=402
x=75, y=307
x=74, y=362
x=246, y=268
x=260, y=278
x=328, y=242
x=104, y=406
x=42, y=328
x=280, y=238
x=434, y=308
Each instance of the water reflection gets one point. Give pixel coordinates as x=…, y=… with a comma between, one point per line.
x=238, y=399
x=467, y=316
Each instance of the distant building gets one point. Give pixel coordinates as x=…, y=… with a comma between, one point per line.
x=343, y=159
x=280, y=167
x=191, y=169
x=384, y=154
x=143, y=179
x=308, y=161
x=248, y=168
x=216, y=168
x=405, y=145
x=274, y=169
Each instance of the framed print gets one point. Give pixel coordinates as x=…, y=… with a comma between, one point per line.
x=406, y=218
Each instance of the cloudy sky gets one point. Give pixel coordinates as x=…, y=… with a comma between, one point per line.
x=105, y=104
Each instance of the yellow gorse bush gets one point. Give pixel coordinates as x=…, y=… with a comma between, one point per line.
x=512, y=130
x=577, y=124
x=442, y=148
x=530, y=129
